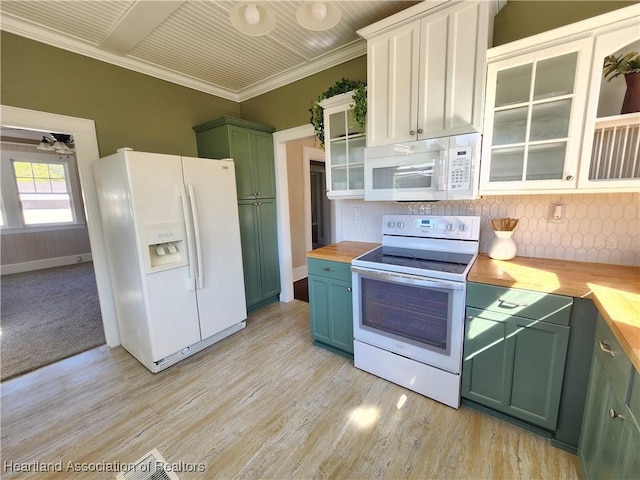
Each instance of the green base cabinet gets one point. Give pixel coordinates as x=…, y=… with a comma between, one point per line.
x=515, y=349
x=331, y=307
x=250, y=145
x=610, y=438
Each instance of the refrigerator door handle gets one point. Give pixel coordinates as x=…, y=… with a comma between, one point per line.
x=190, y=246
x=196, y=228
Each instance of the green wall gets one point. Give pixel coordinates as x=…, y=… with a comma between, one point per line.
x=519, y=19
x=134, y=110
x=288, y=106
x=129, y=109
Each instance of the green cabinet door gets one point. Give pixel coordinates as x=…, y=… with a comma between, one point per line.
x=249, y=237
x=259, y=252
x=514, y=365
x=262, y=146
x=330, y=302
x=268, y=244
x=240, y=149
x=610, y=435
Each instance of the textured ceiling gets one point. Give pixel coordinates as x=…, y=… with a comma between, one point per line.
x=193, y=43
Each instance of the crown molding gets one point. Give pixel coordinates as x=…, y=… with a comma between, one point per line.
x=355, y=49
x=13, y=25
x=350, y=51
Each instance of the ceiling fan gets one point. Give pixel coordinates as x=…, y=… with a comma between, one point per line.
x=58, y=142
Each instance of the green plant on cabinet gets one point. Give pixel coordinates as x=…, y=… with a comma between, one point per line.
x=330, y=302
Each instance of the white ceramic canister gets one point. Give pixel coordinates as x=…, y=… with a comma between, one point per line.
x=502, y=246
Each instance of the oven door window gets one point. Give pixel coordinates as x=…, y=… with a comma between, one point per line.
x=410, y=313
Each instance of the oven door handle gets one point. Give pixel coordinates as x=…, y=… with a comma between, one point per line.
x=410, y=279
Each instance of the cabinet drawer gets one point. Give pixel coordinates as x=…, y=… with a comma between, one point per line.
x=329, y=269
x=615, y=362
x=523, y=303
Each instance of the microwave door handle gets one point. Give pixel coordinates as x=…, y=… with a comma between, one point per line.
x=441, y=170
x=410, y=279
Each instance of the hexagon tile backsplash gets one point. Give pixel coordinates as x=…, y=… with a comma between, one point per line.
x=601, y=228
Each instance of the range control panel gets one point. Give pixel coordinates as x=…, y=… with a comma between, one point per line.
x=458, y=227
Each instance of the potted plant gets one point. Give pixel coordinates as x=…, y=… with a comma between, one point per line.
x=359, y=110
x=629, y=66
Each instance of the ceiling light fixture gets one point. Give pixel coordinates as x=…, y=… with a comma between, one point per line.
x=252, y=19
x=318, y=16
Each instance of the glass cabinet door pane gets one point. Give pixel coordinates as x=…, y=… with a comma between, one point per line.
x=555, y=76
x=510, y=126
x=337, y=125
x=550, y=120
x=339, y=152
x=356, y=150
x=356, y=177
x=507, y=165
x=338, y=178
x=513, y=85
x=546, y=162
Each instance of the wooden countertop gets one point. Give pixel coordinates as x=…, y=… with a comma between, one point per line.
x=614, y=289
x=342, y=251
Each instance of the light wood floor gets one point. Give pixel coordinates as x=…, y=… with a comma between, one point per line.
x=263, y=403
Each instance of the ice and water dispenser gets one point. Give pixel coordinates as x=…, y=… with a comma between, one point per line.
x=166, y=246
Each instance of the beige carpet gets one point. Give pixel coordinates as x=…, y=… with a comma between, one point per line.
x=48, y=315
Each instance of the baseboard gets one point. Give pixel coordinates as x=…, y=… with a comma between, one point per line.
x=300, y=273
x=44, y=263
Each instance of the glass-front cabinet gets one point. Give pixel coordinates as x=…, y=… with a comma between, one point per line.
x=611, y=152
x=344, y=146
x=533, y=119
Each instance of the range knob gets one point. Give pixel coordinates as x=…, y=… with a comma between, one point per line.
x=462, y=227
x=451, y=227
x=400, y=225
x=390, y=224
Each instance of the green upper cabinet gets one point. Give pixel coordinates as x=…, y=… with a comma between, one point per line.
x=515, y=350
x=250, y=145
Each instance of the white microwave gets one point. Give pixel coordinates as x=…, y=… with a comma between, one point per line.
x=444, y=168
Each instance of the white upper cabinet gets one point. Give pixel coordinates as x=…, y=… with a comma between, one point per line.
x=533, y=119
x=344, y=143
x=425, y=71
x=552, y=124
x=611, y=154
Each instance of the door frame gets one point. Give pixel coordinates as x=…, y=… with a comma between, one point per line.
x=86, y=146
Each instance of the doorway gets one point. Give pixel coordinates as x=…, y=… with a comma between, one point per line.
x=86, y=146
x=320, y=206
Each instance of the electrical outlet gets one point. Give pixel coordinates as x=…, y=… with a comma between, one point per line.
x=357, y=213
x=556, y=213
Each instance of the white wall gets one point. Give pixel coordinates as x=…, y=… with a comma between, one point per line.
x=601, y=228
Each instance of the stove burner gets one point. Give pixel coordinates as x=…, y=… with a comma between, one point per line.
x=419, y=259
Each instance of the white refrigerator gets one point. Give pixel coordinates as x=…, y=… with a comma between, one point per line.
x=172, y=236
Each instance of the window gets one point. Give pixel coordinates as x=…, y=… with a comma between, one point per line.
x=38, y=190
x=43, y=190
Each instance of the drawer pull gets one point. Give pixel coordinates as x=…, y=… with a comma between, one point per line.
x=613, y=414
x=605, y=347
x=512, y=304
x=327, y=269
